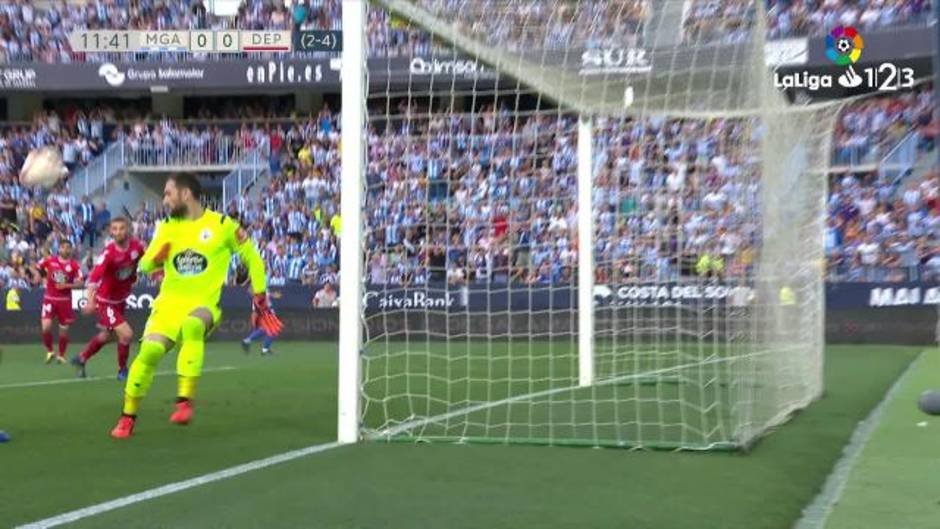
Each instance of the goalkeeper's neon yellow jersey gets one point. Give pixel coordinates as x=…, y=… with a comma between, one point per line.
x=198, y=262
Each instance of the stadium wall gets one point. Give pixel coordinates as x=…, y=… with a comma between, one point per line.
x=888, y=313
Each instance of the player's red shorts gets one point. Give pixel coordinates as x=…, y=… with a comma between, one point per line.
x=110, y=315
x=58, y=309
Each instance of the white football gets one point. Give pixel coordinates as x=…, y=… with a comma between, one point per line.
x=43, y=167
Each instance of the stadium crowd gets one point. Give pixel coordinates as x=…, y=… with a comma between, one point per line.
x=79, y=136
x=868, y=128
x=877, y=233
x=547, y=25
x=39, y=33
x=490, y=196
x=794, y=18
x=709, y=21
x=728, y=21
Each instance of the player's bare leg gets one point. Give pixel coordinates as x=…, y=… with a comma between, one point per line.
x=46, y=325
x=189, y=363
x=94, y=345
x=125, y=335
x=63, y=343
x=152, y=349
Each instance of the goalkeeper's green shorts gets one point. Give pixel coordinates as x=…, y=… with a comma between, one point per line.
x=168, y=321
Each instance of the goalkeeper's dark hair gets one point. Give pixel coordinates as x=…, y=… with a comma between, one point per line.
x=187, y=181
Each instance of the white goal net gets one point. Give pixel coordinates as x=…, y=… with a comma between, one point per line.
x=587, y=222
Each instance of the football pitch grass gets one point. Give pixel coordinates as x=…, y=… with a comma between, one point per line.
x=896, y=479
x=248, y=408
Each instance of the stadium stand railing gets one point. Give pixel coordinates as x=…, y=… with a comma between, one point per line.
x=94, y=177
x=900, y=159
x=221, y=154
x=247, y=172
x=218, y=153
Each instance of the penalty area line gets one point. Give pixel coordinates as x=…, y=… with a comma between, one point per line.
x=172, y=488
x=95, y=379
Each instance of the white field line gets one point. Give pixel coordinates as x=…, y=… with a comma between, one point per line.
x=79, y=514
x=100, y=508
x=816, y=514
x=95, y=379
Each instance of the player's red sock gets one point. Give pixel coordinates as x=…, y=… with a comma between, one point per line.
x=47, y=340
x=94, y=345
x=124, y=351
x=63, y=344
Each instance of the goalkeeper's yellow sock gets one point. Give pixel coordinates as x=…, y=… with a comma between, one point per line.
x=186, y=387
x=130, y=405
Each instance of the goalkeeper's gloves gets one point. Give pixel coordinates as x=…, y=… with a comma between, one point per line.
x=268, y=322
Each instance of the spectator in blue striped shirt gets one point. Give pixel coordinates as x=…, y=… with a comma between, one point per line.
x=294, y=245
x=312, y=225
x=279, y=263
x=86, y=217
x=295, y=267
x=270, y=206
x=277, y=225
x=70, y=225
x=295, y=221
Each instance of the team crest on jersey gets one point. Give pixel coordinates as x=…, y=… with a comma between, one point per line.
x=134, y=255
x=68, y=268
x=190, y=263
x=205, y=235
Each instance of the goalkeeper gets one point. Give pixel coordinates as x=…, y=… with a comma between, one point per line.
x=193, y=247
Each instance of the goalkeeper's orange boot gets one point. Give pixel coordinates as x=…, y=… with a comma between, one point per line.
x=183, y=413
x=124, y=428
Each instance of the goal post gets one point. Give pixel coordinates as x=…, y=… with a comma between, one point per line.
x=585, y=253
x=351, y=204
x=575, y=222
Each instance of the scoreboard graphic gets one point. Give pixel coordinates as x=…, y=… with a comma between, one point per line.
x=205, y=41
